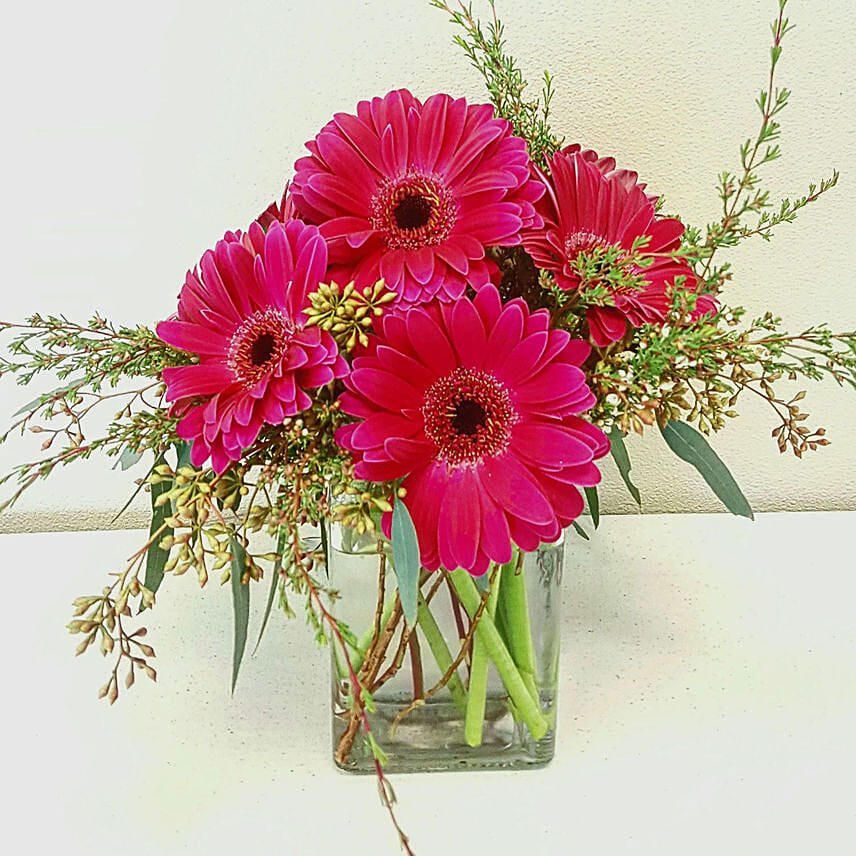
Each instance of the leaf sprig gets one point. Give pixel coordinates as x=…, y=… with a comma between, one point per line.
x=506, y=85
x=740, y=193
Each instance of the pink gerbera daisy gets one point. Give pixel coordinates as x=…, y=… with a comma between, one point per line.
x=241, y=314
x=589, y=204
x=413, y=193
x=473, y=403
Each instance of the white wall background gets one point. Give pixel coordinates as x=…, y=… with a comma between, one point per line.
x=136, y=134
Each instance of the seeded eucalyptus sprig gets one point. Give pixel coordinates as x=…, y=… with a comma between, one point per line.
x=347, y=313
x=696, y=370
x=95, y=361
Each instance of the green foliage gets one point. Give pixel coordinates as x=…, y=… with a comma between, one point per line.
x=485, y=47
x=580, y=531
x=406, y=560
x=740, y=193
x=102, y=358
x=622, y=460
x=690, y=446
x=593, y=503
x=157, y=556
x=274, y=582
x=240, y=604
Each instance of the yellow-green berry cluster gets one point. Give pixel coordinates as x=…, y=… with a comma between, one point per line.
x=347, y=313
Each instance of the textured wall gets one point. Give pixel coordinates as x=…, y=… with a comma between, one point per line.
x=136, y=135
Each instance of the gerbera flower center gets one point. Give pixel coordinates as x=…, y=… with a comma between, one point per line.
x=262, y=349
x=469, y=416
x=413, y=210
x=259, y=344
x=582, y=242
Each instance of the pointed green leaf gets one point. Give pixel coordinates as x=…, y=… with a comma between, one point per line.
x=622, y=461
x=691, y=446
x=139, y=487
x=482, y=582
x=579, y=530
x=593, y=505
x=240, y=605
x=405, y=557
x=45, y=397
x=128, y=458
x=280, y=547
x=156, y=557
x=325, y=546
x=182, y=452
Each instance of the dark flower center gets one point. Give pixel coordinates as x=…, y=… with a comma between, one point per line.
x=262, y=349
x=259, y=344
x=413, y=212
x=469, y=416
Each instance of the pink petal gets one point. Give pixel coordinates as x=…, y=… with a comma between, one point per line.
x=193, y=337
x=410, y=452
x=552, y=383
x=495, y=535
x=430, y=342
x=380, y=427
x=385, y=389
x=186, y=381
x=514, y=489
x=421, y=263
x=314, y=377
x=459, y=525
x=468, y=334
x=550, y=446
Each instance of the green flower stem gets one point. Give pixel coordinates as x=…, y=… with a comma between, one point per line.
x=477, y=694
x=366, y=639
x=441, y=653
x=527, y=707
x=518, y=629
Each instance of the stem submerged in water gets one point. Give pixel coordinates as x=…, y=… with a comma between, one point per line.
x=440, y=650
x=515, y=609
x=527, y=706
x=477, y=693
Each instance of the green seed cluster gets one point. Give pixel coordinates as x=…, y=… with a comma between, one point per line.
x=348, y=314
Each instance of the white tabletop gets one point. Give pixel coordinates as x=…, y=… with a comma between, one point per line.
x=707, y=705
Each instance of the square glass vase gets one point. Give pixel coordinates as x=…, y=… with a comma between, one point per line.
x=450, y=692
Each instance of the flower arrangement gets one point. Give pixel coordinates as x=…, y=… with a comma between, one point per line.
x=422, y=353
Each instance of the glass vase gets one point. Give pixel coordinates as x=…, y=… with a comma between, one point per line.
x=444, y=694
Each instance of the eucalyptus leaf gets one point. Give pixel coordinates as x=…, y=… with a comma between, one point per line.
x=405, y=557
x=156, y=557
x=240, y=605
x=325, y=546
x=691, y=446
x=482, y=582
x=139, y=487
x=579, y=530
x=46, y=396
x=593, y=505
x=280, y=547
x=182, y=452
x=128, y=458
x=622, y=461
